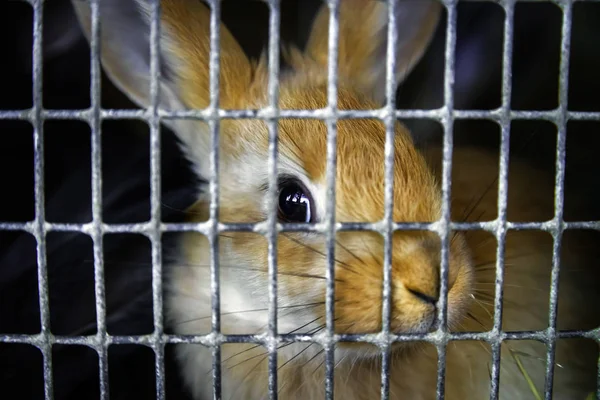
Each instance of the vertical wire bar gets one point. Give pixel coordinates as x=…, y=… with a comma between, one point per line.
x=502, y=195
x=39, y=227
x=96, y=232
x=561, y=124
x=155, y=234
x=448, y=122
x=274, y=21
x=598, y=377
x=214, y=125
x=332, y=81
x=390, y=120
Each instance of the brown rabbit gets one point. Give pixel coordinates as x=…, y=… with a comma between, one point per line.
x=360, y=188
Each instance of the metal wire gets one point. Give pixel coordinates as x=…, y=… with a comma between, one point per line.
x=332, y=95
x=38, y=225
x=154, y=228
x=96, y=229
x=273, y=90
x=212, y=233
x=501, y=230
x=559, y=189
x=155, y=234
x=392, y=40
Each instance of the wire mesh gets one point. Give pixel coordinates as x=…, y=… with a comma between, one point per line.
x=154, y=228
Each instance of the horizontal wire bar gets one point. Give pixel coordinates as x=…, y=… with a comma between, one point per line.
x=502, y=3
x=373, y=338
x=270, y=113
x=203, y=227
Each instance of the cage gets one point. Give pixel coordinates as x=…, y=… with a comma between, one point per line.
x=49, y=235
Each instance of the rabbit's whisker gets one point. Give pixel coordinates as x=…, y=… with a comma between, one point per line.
x=473, y=206
x=299, y=307
x=369, y=249
x=266, y=352
x=343, y=264
x=294, y=357
x=188, y=212
x=511, y=286
x=474, y=318
x=247, y=375
x=321, y=363
x=350, y=252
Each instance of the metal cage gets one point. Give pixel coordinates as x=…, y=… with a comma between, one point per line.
x=154, y=228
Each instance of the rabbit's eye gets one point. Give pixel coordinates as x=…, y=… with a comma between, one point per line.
x=294, y=202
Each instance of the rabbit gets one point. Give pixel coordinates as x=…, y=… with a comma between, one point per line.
x=301, y=257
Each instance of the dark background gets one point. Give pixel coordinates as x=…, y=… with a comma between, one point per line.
x=125, y=169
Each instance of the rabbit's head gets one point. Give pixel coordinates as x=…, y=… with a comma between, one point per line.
x=243, y=169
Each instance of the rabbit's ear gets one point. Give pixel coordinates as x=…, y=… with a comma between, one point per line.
x=184, y=51
x=363, y=26
x=184, y=61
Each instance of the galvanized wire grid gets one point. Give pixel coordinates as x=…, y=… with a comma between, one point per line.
x=154, y=228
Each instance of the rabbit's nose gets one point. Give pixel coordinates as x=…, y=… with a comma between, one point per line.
x=414, y=309
x=424, y=297
x=420, y=279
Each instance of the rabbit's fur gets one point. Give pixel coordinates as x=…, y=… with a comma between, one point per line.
x=359, y=197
